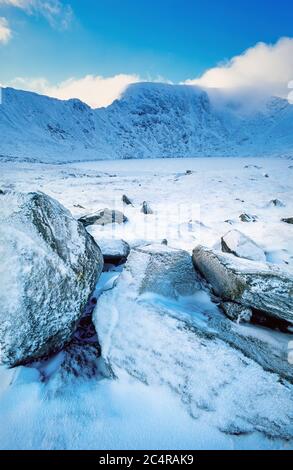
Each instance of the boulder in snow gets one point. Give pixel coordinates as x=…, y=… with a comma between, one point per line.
x=240, y=245
x=248, y=218
x=104, y=217
x=258, y=286
x=276, y=203
x=289, y=220
x=146, y=209
x=126, y=200
x=49, y=267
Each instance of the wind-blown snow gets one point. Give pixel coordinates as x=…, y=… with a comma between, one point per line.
x=150, y=120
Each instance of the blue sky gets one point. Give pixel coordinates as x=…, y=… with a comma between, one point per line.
x=176, y=40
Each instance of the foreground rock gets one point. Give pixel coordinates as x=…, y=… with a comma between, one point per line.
x=187, y=345
x=104, y=217
x=163, y=270
x=240, y=245
x=114, y=251
x=49, y=267
x=255, y=285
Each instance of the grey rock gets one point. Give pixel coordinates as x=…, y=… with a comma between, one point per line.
x=288, y=220
x=259, y=286
x=248, y=218
x=126, y=200
x=104, y=217
x=146, y=209
x=49, y=267
x=237, y=312
x=242, y=246
x=276, y=203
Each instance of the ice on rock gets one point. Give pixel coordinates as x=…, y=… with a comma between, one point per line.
x=240, y=245
x=49, y=267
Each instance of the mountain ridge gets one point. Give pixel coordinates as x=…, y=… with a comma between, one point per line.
x=149, y=120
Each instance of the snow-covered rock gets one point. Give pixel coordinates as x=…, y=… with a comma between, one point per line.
x=150, y=120
x=49, y=266
x=276, y=203
x=162, y=270
x=162, y=341
x=248, y=218
x=104, y=217
x=260, y=286
x=242, y=246
x=114, y=251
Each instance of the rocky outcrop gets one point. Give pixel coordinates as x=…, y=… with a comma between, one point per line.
x=49, y=267
x=240, y=245
x=104, y=217
x=259, y=286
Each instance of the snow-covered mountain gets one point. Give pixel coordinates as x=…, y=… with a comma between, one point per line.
x=149, y=120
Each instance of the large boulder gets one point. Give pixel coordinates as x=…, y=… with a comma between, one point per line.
x=259, y=286
x=240, y=245
x=49, y=267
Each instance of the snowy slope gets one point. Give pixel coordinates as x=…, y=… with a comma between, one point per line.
x=150, y=120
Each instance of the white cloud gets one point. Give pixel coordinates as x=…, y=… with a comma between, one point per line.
x=264, y=67
x=96, y=91
x=5, y=31
x=58, y=14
